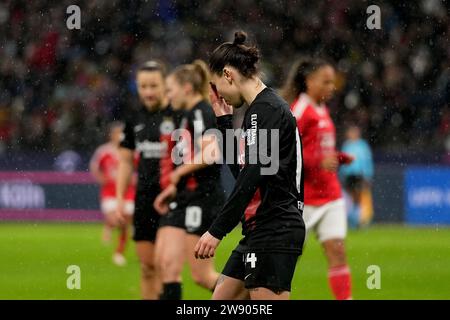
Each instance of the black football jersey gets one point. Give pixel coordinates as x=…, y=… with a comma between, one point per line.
x=150, y=134
x=268, y=194
x=195, y=123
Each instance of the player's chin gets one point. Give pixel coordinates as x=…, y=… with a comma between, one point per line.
x=235, y=103
x=230, y=100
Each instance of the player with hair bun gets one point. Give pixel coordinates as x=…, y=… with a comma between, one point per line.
x=269, y=205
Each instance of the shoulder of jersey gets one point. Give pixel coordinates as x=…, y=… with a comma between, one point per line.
x=134, y=118
x=176, y=114
x=104, y=149
x=272, y=105
x=202, y=111
x=205, y=106
x=134, y=114
x=301, y=106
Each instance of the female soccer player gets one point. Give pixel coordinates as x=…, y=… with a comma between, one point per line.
x=103, y=166
x=309, y=86
x=149, y=133
x=196, y=183
x=267, y=201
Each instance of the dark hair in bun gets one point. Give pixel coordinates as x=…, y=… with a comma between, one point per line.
x=236, y=54
x=239, y=37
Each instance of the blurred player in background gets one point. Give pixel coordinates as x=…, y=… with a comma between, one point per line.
x=309, y=86
x=149, y=133
x=268, y=203
x=196, y=183
x=104, y=166
x=357, y=178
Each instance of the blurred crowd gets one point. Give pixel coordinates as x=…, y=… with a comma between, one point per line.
x=60, y=87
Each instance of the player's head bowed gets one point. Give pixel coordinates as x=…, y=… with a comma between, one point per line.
x=231, y=65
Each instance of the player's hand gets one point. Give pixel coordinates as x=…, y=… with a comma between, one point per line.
x=330, y=162
x=162, y=201
x=345, y=158
x=206, y=246
x=120, y=212
x=218, y=103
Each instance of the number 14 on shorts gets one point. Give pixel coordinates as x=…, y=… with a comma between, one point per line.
x=250, y=258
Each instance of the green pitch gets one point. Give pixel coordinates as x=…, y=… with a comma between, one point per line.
x=414, y=264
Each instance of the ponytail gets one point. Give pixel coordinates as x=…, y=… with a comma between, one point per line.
x=197, y=74
x=202, y=69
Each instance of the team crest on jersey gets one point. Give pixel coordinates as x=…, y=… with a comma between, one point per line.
x=167, y=126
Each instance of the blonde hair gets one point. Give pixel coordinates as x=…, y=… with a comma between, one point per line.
x=197, y=74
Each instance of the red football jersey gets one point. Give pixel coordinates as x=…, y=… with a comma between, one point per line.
x=106, y=159
x=319, y=139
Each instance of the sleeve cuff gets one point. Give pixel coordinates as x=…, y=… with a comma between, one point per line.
x=344, y=158
x=225, y=122
x=216, y=232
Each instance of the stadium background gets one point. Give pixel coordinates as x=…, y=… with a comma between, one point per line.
x=59, y=88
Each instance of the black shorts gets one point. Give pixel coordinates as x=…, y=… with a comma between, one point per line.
x=354, y=183
x=193, y=215
x=146, y=219
x=262, y=269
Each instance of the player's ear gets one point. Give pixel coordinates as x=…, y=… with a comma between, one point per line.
x=227, y=73
x=188, y=88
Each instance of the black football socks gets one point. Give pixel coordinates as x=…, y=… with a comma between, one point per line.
x=171, y=291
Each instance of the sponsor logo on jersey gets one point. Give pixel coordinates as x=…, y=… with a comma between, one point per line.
x=152, y=150
x=251, y=133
